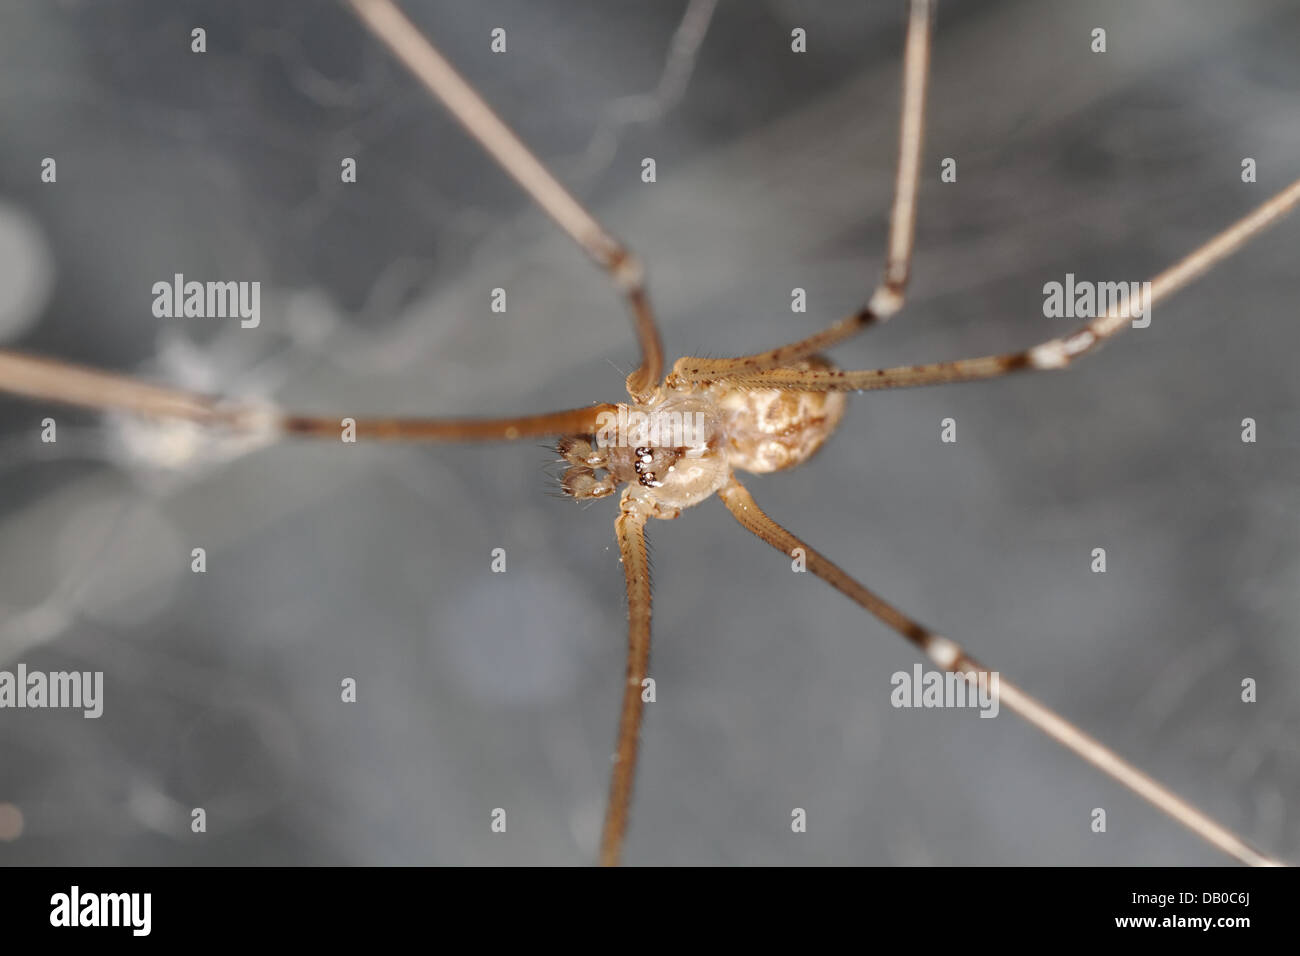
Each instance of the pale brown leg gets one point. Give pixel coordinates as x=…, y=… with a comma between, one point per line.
x=888, y=297
x=54, y=381
x=408, y=45
x=1052, y=354
x=63, y=382
x=629, y=527
x=570, y=421
x=951, y=657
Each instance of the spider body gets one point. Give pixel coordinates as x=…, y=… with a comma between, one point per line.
x=681, y=446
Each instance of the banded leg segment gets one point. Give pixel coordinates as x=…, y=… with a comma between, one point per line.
x=1052, y=354
x=629, y=528
x=889, y=294
x=951, y=657
x=387, y=22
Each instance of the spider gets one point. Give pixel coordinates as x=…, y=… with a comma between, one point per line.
x=764, y=412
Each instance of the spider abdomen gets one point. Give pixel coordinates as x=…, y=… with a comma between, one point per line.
x=774, y=429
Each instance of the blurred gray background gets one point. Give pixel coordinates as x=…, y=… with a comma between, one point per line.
x=481, y=690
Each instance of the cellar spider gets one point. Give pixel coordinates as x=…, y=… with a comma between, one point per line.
x=63, y=383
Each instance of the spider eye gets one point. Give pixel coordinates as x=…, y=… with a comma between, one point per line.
x=652, y=464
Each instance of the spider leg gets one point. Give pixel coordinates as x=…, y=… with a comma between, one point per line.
x=63, y=382
x=44, y=379
x=1053, y=353
x=570, y=421
x=951, y=657
x=888, y=296
x=387, y=22
x=629, y=528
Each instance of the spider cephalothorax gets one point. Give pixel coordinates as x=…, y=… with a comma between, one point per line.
x=680, y=447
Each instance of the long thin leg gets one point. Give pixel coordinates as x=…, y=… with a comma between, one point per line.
x=951, y=657
x=408, y=45
x=1054, y=353
x=54, y=381
x=51, y=380
x=570, y=421
x=889, y=294
x=629, y=528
